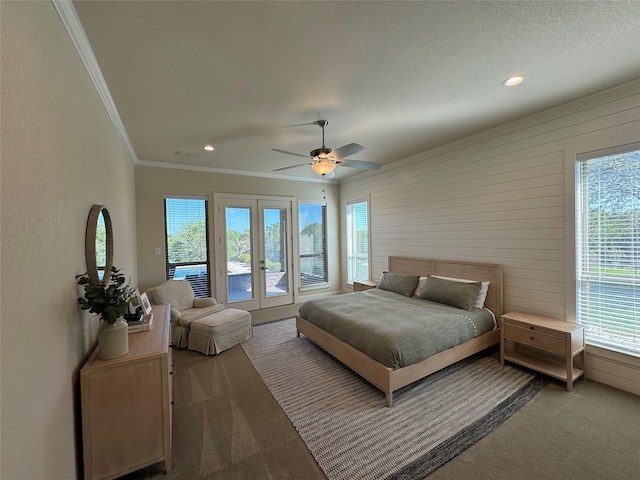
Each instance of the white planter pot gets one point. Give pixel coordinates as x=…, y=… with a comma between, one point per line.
x=113, y=340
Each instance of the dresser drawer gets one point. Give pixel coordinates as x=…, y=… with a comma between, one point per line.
x=536, y=337
x=170, y=369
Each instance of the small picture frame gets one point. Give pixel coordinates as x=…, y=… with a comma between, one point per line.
x=134, y=302
x=145, y=303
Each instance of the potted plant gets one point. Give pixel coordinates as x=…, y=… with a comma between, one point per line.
x=110, y=300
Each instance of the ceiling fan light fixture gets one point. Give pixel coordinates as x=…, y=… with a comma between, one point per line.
x=323, y=167
x=324, y=160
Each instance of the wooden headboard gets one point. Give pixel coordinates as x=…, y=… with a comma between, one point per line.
x=482, y=272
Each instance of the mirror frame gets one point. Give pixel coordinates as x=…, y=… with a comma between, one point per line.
x=90, y=244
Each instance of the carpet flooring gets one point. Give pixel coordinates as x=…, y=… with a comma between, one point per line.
x=227, y=425
x=352, y=435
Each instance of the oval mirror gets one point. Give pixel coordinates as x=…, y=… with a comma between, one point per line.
x=99, y=244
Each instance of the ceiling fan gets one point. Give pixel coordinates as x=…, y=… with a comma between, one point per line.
x=324, y=160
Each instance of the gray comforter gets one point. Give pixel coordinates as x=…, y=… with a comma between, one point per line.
x=393, y=329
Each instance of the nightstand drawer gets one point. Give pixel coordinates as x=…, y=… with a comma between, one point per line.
x=535, y=337
x=362, y=285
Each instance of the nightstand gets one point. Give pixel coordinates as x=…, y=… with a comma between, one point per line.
x=543, y=344
x=362, y=285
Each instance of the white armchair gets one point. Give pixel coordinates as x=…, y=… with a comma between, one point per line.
x=185, y=307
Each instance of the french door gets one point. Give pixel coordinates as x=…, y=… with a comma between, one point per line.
x=254, y=245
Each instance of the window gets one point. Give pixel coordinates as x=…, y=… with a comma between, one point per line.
x=187, y=242
x=608, y=248
x=312, y=220
x=357, y=241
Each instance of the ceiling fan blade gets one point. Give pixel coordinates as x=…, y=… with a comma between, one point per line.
x=290, y=166
x=360, y=164
x=347, y=150
x=289, y=153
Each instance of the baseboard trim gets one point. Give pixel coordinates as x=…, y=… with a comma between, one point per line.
x=300, y=299
x=613, y=368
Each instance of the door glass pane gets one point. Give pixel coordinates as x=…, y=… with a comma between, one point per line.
x=275, y=248
x=239, y=275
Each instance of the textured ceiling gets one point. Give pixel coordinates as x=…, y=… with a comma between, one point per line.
x=398, y=78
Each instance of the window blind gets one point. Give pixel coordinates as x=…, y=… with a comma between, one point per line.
x=357, y=241
x=312, y=221
x=608, y=248
x=187, y=242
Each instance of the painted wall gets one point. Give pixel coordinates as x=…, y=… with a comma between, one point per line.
x=152, y=183
x=504, y=196
x=60, y=155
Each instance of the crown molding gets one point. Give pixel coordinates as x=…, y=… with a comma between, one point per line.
x=225, y=171
x=71, y=22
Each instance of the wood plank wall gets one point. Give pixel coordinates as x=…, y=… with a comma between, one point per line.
x=500, y=196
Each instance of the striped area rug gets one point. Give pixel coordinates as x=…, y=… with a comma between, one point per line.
x=346, y=426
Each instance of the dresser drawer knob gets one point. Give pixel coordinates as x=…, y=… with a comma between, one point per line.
x=532, y=338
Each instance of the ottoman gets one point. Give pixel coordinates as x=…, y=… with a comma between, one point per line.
x=219, y=331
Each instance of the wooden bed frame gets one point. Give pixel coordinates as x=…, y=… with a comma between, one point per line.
x=389, y=380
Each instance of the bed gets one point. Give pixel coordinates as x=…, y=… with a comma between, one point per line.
x=395, y=372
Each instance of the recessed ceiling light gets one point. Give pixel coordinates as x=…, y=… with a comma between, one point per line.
x=208, y=148
x=513, y=81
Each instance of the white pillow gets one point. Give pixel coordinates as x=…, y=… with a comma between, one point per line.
x=421, y=282
x=178, y=293
x=482, y=294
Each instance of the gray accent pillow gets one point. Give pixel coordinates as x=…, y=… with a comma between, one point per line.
x=449, y=292
x=399, y=283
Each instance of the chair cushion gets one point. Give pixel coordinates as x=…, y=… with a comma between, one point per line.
x=175, y=315
x=216, y=333
x=176, y=292
x=203, y=302
x=223, y=320
x=191, y=314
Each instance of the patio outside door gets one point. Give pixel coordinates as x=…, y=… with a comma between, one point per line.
x=257, y=252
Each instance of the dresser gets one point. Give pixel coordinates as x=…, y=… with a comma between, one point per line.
x=543, y=344
x=126, y=404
